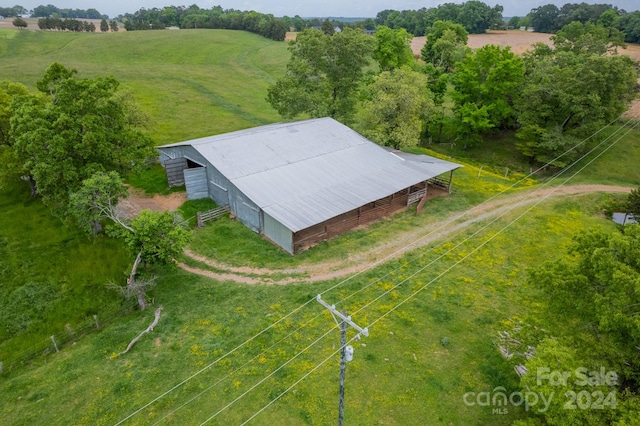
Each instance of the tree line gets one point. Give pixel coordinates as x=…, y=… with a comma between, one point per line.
x=53, y=11
x=76, y=25
x=550, y=97
x=216, y=18
x=475, y=16
x=549, y=18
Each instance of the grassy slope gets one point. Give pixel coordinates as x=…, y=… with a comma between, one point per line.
x=406, y=377
x=402, y=374
x=192, y=83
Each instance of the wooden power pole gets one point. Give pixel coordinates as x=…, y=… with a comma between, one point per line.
x=346, y=352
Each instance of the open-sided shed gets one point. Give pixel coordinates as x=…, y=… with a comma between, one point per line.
x=303, y=182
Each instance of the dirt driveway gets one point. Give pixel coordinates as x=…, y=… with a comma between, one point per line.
x=407, y=241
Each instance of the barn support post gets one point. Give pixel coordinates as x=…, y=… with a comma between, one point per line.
x=423, y=200
x=450, y=180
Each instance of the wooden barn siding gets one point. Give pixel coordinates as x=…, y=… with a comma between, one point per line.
x=174, y=168
x=339, y=224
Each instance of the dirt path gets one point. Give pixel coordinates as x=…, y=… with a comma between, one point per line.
x=138, y=201
x=364, y=260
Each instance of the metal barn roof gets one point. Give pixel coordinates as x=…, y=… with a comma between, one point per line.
x=305, y=172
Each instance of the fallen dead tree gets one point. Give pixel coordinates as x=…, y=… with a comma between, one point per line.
x=148, y=329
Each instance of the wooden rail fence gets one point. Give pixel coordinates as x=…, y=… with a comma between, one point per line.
x=203, y=217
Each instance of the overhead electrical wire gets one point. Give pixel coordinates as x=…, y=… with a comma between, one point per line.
x=386, y=258
x=474, y=250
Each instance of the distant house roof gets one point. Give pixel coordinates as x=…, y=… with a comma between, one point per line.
x=623, y=218
x=305, y=172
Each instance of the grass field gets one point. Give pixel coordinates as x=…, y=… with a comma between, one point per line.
x=192, y=83
x=413, y=369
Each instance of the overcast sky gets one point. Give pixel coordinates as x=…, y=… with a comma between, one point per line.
x=307, y=8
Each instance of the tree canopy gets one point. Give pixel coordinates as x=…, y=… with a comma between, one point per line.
x=397, y=105
x=323, y=74
x=446, y=44
x=486, y=82
x=75, y=128
x=568, y=95
x=591, y=302
x=393, y=48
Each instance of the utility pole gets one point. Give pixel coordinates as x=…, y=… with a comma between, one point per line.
x=346, y=352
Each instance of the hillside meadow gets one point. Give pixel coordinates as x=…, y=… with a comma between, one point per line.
x=415, y=366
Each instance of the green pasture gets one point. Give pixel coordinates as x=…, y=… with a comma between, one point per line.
x=416, y=365
x=192, y=83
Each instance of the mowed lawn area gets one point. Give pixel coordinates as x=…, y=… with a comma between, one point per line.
x=223, y=352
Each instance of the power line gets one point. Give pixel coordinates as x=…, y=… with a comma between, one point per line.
x=499, y=232
x=268, y=376
x=372, y=265
x=454, y=265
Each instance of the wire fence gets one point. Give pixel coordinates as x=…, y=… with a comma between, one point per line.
x=62, y=338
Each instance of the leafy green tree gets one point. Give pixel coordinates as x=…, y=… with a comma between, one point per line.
x=514, y=22
x=393, y=48
x=9, y=92
x=567, y=96
x=20, y=23
x=545, y=18
x=633, y=203
x=114, y=26
x=588, y=39
x=397, y=105
x=629, y=24
x=83, y=126
x=97, y=199
x=323, y=74
x=157, y=238
x=446, y=44
x=591, y=302
x=477, y=17
x=327, y=27
x=104, y=26
x=485, y=84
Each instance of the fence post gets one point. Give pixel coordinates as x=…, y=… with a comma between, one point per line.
x=55, y=345
x=95, y=317
x=1, y=367
x=200, y=224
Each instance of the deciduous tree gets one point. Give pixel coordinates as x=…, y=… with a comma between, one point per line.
x=566, y=96
x=446, y=44
x=97, y=199
x=393, y=48
x=84, y=126
x=396, y=108
x=20, y=23
x=485, y=86
x=323, y=74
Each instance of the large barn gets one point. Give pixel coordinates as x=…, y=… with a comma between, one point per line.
x=303, y=182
